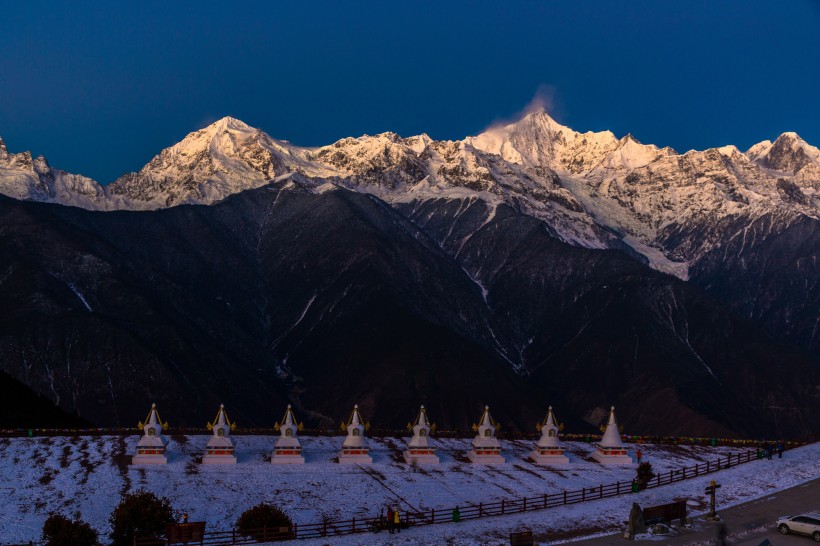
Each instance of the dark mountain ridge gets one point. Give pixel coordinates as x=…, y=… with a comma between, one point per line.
x=325, y=299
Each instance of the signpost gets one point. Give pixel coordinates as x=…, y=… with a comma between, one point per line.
x=710, y=490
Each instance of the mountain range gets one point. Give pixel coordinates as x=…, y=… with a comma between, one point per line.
x=525, y=266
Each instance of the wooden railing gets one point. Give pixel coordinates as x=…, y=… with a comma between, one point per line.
x=329, y=528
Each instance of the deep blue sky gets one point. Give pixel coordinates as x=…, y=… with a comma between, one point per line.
x=100, y=87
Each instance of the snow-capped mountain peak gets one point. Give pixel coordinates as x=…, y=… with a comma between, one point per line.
x=758, y=150
x=222, y=135
x=529, y=141
x=538, y=140
x=221, y=159
x=787, y=154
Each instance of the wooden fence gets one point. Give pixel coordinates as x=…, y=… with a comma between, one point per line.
x=503, y=507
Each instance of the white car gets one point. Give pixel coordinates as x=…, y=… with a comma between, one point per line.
x=805, y=524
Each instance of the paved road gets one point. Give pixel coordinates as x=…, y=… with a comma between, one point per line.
x=748, y=524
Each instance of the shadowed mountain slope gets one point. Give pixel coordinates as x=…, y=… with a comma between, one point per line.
x=325, y=297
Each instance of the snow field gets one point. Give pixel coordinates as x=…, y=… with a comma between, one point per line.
x=86, y=476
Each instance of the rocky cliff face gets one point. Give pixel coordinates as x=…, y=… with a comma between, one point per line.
x=527, y=265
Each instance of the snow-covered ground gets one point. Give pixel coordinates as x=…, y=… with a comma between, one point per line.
x=85, y=476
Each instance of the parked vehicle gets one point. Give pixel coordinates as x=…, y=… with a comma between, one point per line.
x=805, y=524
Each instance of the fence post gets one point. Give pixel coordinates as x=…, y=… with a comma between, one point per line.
x=696, y=469
x=545, y=500
x=601, y=492
x=353, y=530
x=295, y=530
x=659, y=479
x=481, y=509
x=565, y=496
x=233, y=536
x=671, y=477
x=502, y=507
x=617, y=488
x=433, y=516
x=525, y=505
x=684, y=473
x=583, y=494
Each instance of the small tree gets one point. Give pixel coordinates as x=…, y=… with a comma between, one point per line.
x=58, y=530
x=263, y=516
x=141, y=514
x=644, y=474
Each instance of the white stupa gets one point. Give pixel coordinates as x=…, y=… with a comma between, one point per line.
x=486, y=447
x=151, y=447
x=355, y=449
x=419, y=449
x=220, y=448
x=287, y=449
x=548, y=450
x=611, y=450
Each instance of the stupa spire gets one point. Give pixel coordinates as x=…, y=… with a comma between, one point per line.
x=355, y=418
x=612, y=436
x=486, y=419
x=550, y=422
x=153, y=419
x=422, y=418
x=221, y=419
x=288, y=420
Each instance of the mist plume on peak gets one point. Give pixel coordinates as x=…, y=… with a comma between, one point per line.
x=542, y=102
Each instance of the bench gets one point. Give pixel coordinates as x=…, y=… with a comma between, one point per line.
x=665, y=513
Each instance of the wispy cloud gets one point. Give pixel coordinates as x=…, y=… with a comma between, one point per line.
x=542, y=101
